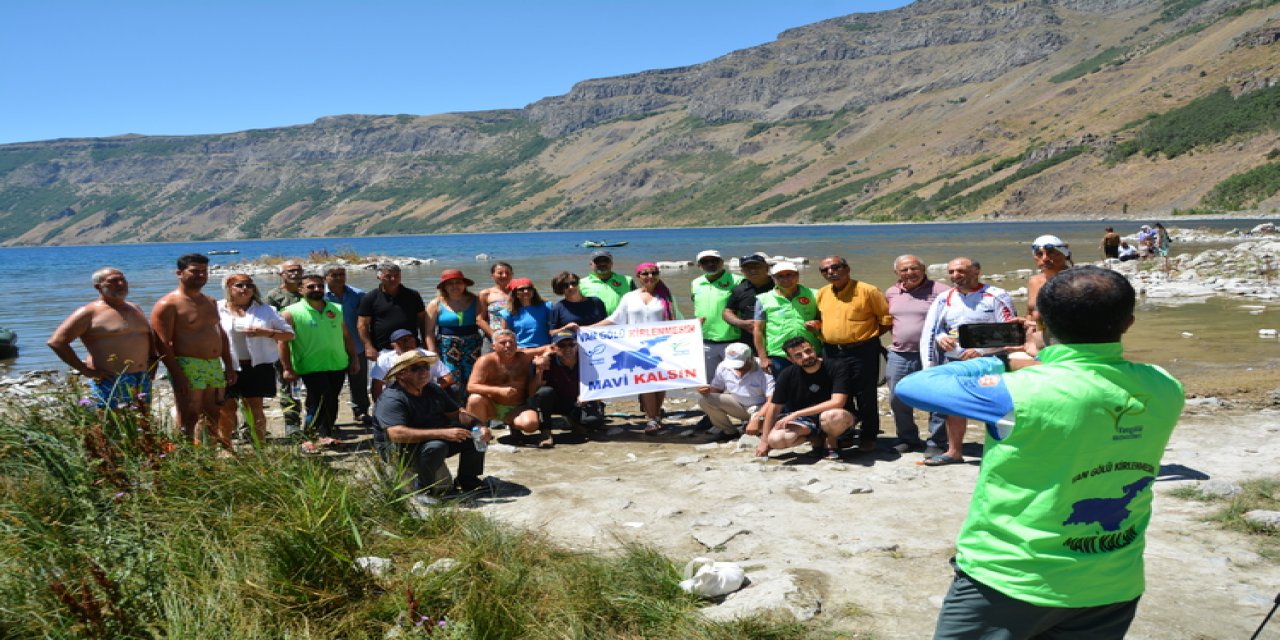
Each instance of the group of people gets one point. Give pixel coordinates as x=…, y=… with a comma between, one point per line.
x=1074, y=430
x=1150, y=241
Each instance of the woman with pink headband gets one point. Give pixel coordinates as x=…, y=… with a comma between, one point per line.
x=650, y=302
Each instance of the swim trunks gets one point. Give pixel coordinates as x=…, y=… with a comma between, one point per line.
x=203, y=373
x=504, y=411
x=808, y=422
x=122, y=390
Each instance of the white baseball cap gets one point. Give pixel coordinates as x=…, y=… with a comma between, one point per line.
x=709, y=253
x=736, y=355
x=779, y=267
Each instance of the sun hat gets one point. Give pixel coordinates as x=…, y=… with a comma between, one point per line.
x=453, y=274
x=408, y=359
x=516, y=283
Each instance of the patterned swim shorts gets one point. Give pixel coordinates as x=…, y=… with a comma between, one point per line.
x=122, y=390
x=203, y=373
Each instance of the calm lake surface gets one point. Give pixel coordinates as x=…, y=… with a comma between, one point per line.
x=47, y=283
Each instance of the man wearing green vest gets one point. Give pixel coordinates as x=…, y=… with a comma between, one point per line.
x=321, y=354
x=1052, y=546
x=790, y=310
x=603, y=283
x=710, y=293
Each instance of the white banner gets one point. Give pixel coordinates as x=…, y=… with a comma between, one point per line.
x=627, y=359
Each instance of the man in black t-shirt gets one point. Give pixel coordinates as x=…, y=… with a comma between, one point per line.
x=388, y=308
x=740, y=310
x=416, y=423
x=815, y=391
x=557, y=370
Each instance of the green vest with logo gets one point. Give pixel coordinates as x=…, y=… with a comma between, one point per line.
x=1062, y=503
x=709, y=300
x=784, y=319
x=317, y=344
x=609, y=291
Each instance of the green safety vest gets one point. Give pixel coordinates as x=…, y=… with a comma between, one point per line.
x=608, y=291
x=317, y=344
x=709, y=300
x=1062, y=503
x=784, y=319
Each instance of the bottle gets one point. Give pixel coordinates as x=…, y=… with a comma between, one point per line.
x=478, y=438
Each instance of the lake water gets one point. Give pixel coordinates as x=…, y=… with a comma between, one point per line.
x=47, y=283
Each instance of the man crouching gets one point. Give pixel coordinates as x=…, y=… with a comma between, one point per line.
x=814, y=393
x=416, y=423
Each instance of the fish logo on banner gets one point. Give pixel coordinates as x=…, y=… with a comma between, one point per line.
x=627, y=359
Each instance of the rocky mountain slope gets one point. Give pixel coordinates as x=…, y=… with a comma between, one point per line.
x=940, y=109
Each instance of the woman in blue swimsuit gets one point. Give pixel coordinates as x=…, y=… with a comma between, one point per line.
x=455, y=328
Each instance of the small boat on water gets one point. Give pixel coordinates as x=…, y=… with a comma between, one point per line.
x=8, y=343
x=597, y=244
x=223, y=252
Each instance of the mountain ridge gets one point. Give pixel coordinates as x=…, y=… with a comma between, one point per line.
x=866, y=116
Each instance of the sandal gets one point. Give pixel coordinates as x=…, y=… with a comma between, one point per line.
x=832, y=454
x=547, y=443
x=309, y=448
x=652, y=427
x=940, y=461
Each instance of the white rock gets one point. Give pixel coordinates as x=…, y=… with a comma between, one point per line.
x=443, y=565
x=746, y=443
x=860, y=488
x=1219, y=488
x=374, y=565
x=784, y=594
x=710, y=446
x=617, y=504
x=816, y=488
x=498, y=447
x=683, y=461
x=1266, y=333
x=1269, y=519
x=873, y=547
x=713, y=521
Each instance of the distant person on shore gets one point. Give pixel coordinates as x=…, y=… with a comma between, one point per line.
x=502, y=385
x=968, y=301
x=575, y=310
x=852, y=315
x=740, y=309
x=118, y=339
x=1053, y=542
x=603, y=283
x=194, y=349
x=402, y=342
x=1110, y=244
x=738, y=390
x=348, y=297
x=253, y=330
x=789, y=310
x=321, y=354
x=528, y=315
x=287, y=293
x=455, y=326
x=814, y=394
x=651, y=302
x=494, y=299
x=419, y=426
x=710, y=295
x=1127, y=251
x=387, y=308
x=1147, y=241
x=909, y=301
x=1052, y=256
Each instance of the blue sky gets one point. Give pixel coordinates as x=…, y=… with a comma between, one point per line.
x=101, y=68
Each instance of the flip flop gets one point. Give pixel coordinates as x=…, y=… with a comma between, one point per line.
x=940, y=461
x=832, y=454
x=547, y=443
x=652, y=427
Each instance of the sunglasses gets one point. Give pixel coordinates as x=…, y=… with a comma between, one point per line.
x=571, y=283
x=312, y=286
x=244, y=285
x=419, y=368
x=834, y=267
x=1044, y=248
x=647, y=273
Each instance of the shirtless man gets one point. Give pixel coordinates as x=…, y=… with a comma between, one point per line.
x=116, y=335
x=501, y=386
x=193, y=347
